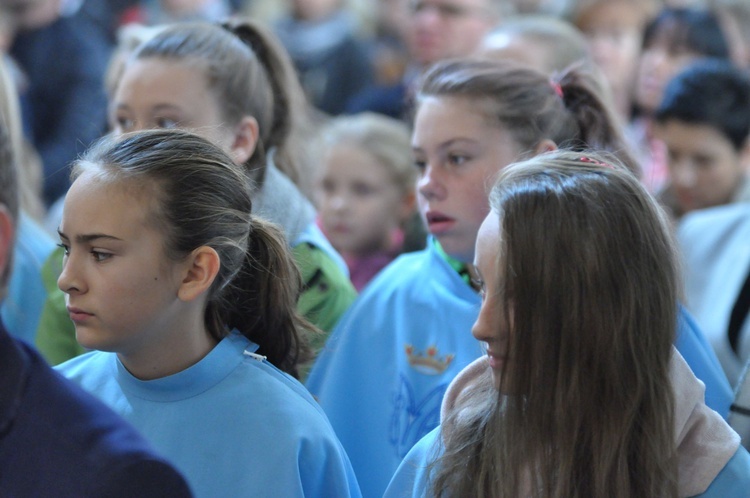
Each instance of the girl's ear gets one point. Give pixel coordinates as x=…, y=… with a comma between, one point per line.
x=545, y=145
x=245, y=139
x=201, y=269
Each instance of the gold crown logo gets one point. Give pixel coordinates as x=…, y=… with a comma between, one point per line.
x=429, y=362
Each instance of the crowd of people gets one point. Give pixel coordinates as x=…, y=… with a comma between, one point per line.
x=372, y=248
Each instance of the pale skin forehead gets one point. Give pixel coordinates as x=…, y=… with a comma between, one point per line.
x=488, y=241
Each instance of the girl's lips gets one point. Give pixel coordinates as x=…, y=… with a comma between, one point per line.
x=78, y=315
x=340, y=228
x=496, y=362
x=685, y=199
x=438, y=223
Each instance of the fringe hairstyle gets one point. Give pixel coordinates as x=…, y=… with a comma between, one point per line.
x=201, y=198
x=588, y=261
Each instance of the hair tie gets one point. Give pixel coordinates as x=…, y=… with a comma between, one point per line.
x=557, y=88
x=586, y=159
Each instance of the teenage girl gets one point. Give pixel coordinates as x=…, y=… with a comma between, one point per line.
x=189, y=300
x=385, y=368
x=236, y=86
x=581, y=392
x=366, y=191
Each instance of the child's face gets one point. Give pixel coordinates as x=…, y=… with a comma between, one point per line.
x=162, y=93
x=491, y=327
x=613, y=31
x=704, y=167
x=441, y=29
x=659, y=63
x=121, y=290
x=360, y=203
x=457, y=154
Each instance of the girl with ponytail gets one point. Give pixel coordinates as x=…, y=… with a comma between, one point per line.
x=190, y=304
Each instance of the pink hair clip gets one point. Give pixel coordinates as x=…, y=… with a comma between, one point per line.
x=586, y=159
x=557, y=88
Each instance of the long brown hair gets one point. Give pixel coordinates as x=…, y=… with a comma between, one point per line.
x=588, y=263
x=201, y=198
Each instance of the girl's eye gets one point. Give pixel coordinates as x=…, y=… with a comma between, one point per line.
x=420, y=165
x=362, y=189
x=166, y=123
x=328, y=186
x=66, y=249
x=457, y=159
x=124, y=124
x=100, y=256
x=478, y=284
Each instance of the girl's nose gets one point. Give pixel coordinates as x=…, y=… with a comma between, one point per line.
x=338, y=202
x=683, y=174
x=69, y=282
x=429, y=185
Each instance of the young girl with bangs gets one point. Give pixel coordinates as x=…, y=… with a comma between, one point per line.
x=189, y=301
x=581, y=392
x=366, y=191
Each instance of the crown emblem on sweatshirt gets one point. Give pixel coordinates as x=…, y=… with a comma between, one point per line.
x=429, y=361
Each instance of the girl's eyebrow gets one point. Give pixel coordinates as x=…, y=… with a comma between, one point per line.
x=158, y=107
x=448, y=143
x=83, y=238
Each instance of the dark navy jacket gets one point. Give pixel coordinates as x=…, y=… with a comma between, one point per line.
x=64, y=106
x=57, y=441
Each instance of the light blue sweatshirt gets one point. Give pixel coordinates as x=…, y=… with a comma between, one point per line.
x=233, y=424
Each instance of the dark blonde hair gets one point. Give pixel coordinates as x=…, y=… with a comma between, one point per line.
x=386, y=139
x=567, y=109
x=199, y=197
x=588, y=272
x=562, y=42
x=250, y=74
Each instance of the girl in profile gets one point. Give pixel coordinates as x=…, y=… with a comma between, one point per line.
x=190, y=303
x=581, y=391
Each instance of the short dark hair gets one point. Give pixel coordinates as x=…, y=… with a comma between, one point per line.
x=710, y=92
x=693, y=30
